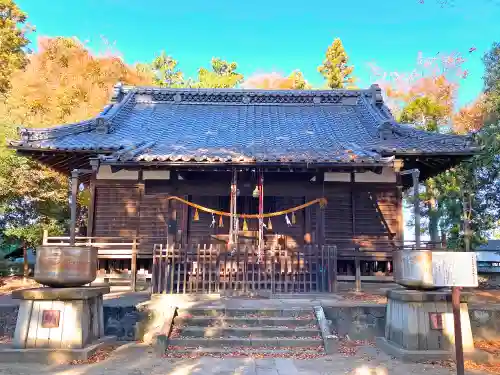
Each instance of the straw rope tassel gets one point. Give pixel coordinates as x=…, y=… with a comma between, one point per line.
x=294, y=220
x=196, y=216
x=221, y=222
x=245, y=225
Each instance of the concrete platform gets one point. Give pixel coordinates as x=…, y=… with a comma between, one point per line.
x=408, y=356
x=51, y=356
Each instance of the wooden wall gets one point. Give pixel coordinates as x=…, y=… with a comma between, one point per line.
x=127, y=208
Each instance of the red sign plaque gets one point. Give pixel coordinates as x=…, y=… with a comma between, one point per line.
x=50, y=318
x=436, y=320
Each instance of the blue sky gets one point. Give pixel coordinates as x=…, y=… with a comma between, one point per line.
x=278, y=35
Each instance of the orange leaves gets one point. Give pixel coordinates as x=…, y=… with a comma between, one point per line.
x=436, y=77
x=268, y=81
x=470, y=118
x=276, y=81
x=65, y=82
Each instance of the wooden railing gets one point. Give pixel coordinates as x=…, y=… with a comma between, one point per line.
x=210, y=268
x=214, y=269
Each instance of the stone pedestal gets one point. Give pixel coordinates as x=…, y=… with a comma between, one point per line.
x=58, y=324
x=419, y=325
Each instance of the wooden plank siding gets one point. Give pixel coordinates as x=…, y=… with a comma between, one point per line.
x=350, y=217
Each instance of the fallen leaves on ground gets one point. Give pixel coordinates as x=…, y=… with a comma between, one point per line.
x=241, y=351
x=492, y=347
x=350, y=348
x=365, y=297
x=100, y=355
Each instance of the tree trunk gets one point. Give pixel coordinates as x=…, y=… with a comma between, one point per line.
x=433, y=214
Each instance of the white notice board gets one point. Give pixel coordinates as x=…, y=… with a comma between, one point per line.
x=451, y=268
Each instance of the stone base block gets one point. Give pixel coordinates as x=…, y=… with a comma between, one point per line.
x=59, y=318
x=423, y=321
x=406, y=355
x=53, y=356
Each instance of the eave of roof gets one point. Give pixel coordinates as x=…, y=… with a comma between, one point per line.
x=291, y=126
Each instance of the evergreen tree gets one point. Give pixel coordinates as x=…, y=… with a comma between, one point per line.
x=223, y=75
x=335, y=68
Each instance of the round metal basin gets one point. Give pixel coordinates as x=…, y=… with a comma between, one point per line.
x=65, y=266
x=413, y=269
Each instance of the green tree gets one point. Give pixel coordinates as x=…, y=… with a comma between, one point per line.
x=13, y=42
x=424, y=112
x=165, y=71
x=222, y=75
x=335, y=68
x=491, y=60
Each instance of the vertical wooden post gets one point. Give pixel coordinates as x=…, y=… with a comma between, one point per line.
x=459, y=350
x=335, y=270
x=398, y=164
x=45, y=236
x=91, y=209
x=134, y=264
x=357, y=264
x=416, y=206
x=26, y=268
x=74, y=195
x=136, y=239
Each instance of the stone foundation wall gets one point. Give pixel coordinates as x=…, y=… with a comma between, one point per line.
x=368, y=322
x=119, y=321
x=359, y=322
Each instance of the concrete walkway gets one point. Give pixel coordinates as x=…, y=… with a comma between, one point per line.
x=134, y=359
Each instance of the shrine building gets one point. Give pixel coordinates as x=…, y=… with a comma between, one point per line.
x=210, y=189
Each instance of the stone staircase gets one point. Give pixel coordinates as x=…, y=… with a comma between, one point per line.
x=245, y=332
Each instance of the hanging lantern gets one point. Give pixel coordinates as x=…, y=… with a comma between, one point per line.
x=269, y=224
x=196, y=216
x=221, y=222
x=245, y=225
x=256, y=192
x=294, y=220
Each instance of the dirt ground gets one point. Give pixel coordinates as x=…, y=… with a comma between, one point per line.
x=135, y=359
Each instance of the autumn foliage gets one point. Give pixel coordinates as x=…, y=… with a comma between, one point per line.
x=471, y=118
x=64, y=82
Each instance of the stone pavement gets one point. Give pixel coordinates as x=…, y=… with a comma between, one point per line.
x=136, y=359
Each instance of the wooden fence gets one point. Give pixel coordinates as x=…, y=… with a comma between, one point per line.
x=214, y=269
x=211, y=268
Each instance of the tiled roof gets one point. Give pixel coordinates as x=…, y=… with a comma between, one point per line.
x=214, y=125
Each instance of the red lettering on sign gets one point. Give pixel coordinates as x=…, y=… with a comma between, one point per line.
x=50, y=318
x=436, y=320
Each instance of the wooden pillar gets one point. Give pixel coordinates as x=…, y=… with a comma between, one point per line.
x=136, y=240
x=91, y=208
x=398, y=165
x=74, y=195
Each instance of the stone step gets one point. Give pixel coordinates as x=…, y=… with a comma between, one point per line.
x=249, y=313
x=230, y=332
x=300, y=353
x=245, y=342
x=239, y=321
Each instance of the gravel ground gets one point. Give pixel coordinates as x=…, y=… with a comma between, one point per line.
x=134, y=359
